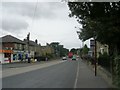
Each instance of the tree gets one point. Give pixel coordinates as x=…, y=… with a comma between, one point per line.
x=64, y=52
x=85, y=50
x=59, y=50
x=73, y=50
x=98, y=19
x=55, y=46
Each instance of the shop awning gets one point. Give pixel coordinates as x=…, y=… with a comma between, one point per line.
x=6, y=51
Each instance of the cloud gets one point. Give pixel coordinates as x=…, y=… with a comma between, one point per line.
x=49, y=22
x=34, y=9
x=13, y=23
x=32, y=0
x=15, y=13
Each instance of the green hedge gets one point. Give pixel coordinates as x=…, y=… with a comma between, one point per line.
x=104, y=61
x=116, y=71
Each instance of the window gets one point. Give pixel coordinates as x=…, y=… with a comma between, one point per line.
x=20, y=46
x=7, y=55
x=15, y=46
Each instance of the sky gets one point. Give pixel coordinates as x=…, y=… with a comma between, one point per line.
x=46, y=21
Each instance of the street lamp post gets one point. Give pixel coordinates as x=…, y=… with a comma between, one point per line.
x=95, y=53
x=28, y=39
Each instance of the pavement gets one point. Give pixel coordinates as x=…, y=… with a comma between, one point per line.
x=103, y=73
x=87, y=78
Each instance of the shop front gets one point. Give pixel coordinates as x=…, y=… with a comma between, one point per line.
x=6, y=56
x=18, y=56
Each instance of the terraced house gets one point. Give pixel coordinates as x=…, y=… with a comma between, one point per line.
x=33, y=46
x=101, y=48
x=12, y=49
x=15, y=50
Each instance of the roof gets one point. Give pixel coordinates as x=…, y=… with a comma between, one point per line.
x=32, y=43
x=11, y=39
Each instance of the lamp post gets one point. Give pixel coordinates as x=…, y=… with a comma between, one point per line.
x=95, y=57
x=28, y=39
x=95, y=54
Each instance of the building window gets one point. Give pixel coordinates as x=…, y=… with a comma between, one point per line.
x=15, y=46
x=14, y=56
x=7, y=55
x=23, y=47
x=20, y=46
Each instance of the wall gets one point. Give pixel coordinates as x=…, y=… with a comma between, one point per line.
x=9, y=45
x=1, y=57
x=46, y=50
x=101, y=48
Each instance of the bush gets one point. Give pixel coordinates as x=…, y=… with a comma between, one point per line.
x=88, y=58
x=104, y=61
x=40, y=58
x=116, y=70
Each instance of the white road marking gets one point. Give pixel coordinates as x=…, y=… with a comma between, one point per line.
x=75, y=85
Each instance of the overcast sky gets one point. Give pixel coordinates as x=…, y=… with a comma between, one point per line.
x=46, y=21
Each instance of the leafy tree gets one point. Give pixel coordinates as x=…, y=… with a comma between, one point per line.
x=55, y=46
x=85, y=50
x=102, y=21
x=99, y=19
x=59, y=50
x=73, y=50
x=65, y=51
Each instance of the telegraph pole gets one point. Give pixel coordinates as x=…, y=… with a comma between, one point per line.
x=28, y=39
x=95, y=57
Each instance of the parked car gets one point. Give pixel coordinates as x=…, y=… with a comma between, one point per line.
x=74, y=57
x=64, y=58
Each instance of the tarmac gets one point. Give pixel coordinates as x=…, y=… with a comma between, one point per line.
x=85, y=77
x=30, y=67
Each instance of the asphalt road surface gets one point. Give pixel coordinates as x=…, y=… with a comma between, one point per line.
x=56, y=76
x=69, y=74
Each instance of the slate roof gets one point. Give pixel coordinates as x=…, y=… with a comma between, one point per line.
x=32, y=43
x=11, y=39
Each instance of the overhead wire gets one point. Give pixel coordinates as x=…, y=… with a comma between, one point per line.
x=33, y=17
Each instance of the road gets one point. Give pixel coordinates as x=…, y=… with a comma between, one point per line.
x=68, y=74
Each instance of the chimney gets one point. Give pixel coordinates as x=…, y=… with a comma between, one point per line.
x=36, y=41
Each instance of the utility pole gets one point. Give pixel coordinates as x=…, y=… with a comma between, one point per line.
x=95, y=57
x=28, y=39
x=95, y=53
